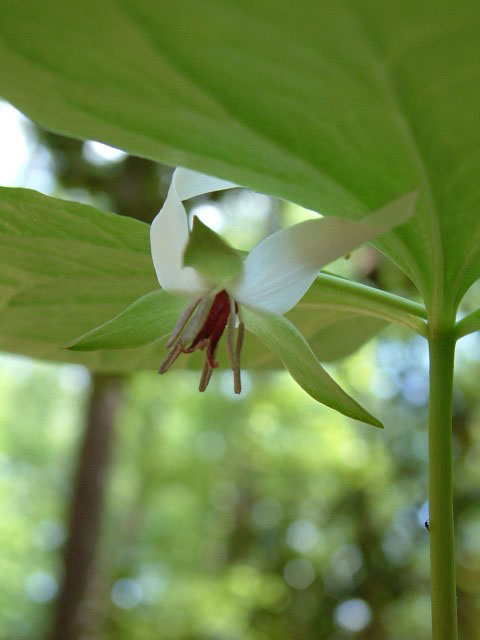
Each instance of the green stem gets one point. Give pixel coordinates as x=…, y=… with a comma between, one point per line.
x=469, y=324
x=335, y=292
x=442, y=547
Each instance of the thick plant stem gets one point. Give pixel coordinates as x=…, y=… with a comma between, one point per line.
x=442, y=547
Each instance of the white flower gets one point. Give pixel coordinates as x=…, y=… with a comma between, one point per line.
x=271, y=280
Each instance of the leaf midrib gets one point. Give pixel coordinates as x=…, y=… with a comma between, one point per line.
x=215, y=98
x=395, y=242
x=392, y=95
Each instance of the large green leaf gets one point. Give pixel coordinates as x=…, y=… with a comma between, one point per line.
x=66, y=268
x=340, y=106
x=337, y=335
x=333, y=333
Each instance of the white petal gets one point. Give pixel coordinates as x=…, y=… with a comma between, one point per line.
x=191, y=183
x=280, y=269
x=169, y=232
x=168, y=239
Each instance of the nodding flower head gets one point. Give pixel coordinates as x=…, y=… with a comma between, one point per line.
x=220, y=282
x=226, y=292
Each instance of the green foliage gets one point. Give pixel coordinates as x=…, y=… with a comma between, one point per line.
x=337, y=107
x=210, y=499
x=330, y=293
x=64, y=268
x=287, y=343
x=342, y=336
x=152, y=318
x=149, y=319
x=67, y=267
x=469, y=324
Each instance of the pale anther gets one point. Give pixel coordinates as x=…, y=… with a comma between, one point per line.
x=181, y=322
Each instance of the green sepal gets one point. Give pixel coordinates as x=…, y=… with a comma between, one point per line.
x=210, y=255
x=148, y=319
x=288, y=344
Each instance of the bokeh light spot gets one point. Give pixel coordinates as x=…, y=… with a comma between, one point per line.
x=299, y=573
x=41, y=586
x=126, y=593
x=352, y=615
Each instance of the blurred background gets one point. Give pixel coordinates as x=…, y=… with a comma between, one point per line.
x=139, y=508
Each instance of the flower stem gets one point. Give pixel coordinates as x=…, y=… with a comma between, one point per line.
x=335, y=292
x=469, y=324
x=442, y=546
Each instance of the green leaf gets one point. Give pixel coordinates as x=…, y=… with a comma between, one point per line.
x=338, y=316
x=340, y=107
x=66, y=268
x=209, y=254
x=281, y=337
x=343, y=335
x=149, y=319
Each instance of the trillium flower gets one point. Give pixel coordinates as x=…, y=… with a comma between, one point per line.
x=226, y=292
x=271, y=280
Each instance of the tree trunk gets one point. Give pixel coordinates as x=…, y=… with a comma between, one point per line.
x=71, y=615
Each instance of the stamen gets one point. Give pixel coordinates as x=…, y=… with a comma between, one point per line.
x=239, y=345
x=171, y=356
x=181, y=322
x=232, y=352
x=198, y=320
x=181, y=336
x=206, y=373
x=205, y=377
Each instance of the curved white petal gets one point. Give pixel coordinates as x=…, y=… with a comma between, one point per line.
x=280, y=269
x=168, y=239
x=190, y=183
x=169, y=232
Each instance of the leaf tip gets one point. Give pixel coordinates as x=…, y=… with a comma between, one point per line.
x=77, y=344
x=71, y=346
x=367, y=418
x=376, y=423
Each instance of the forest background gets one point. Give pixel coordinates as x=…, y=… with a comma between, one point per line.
x=263, y=517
